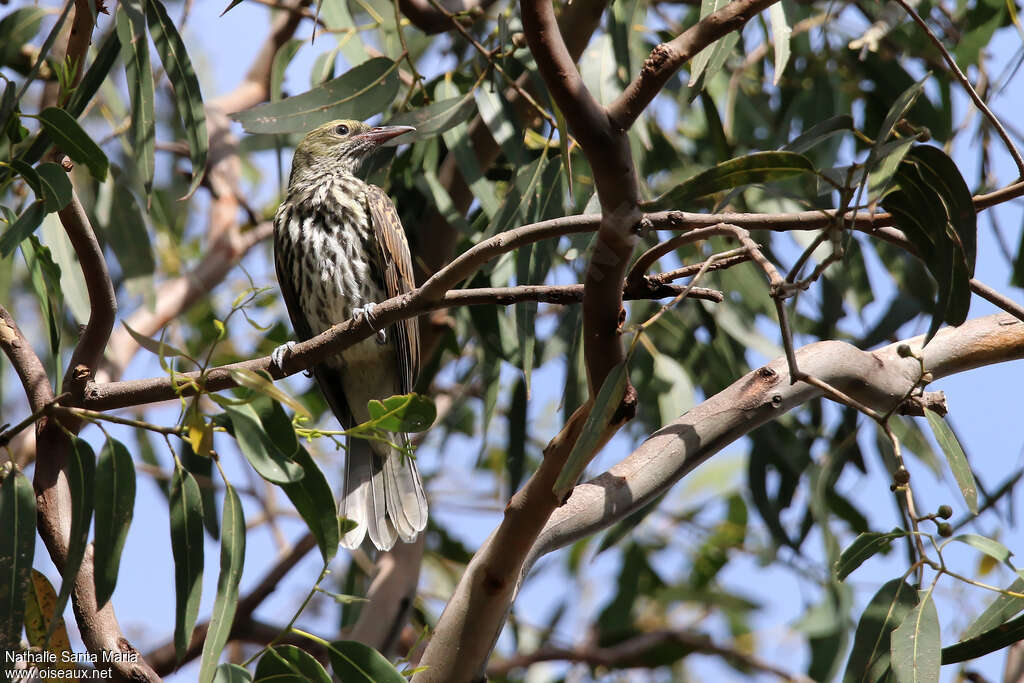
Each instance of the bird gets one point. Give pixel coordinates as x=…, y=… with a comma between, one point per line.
x=339, y=249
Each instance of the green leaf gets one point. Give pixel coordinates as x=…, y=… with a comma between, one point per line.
x=44, y=52
x=355, y=663
x=55, y=185
x=711, y=59
x=30, y=176
x=64, y=130
x=957, y=459
x=156, y=346
x=869, y=660
x=131, y=31
x=314, y=501
x=17, y=546
x=259, y=449
x=915, y=648
x=780, y=39
x=436, y=118
x=186, y=510
x=187, y=96
x=994, y=549
x=24, y=226
x=991, y=640
x=8, y=104
x=232, y=558
x=607, y=402
x=115, y=503
x=94, y=77
x=81, y=469
x=289, y=664
x=896, y=112
x=17, y=29
x=127, y=235
x=944, y=177
x=357, y=94
x=759, y=167
x=1001, y=609
x=72, y=279
x=44, y=276
x=865, y=546
x=282, y=58
x=820, y=132
x=257, y=382
x=402, y=413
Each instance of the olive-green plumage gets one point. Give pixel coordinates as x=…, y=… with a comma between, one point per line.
x=339, y=247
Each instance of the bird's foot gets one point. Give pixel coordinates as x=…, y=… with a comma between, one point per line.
x=367, y=310
x=281, y=353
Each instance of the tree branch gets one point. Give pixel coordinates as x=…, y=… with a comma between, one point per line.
x=875, y=378
x=663, y=62
x=102, y=299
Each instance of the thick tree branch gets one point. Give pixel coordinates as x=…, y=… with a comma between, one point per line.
x=663, y=62
x=390, y=597
x=25, y=362
x=878, y=379
x=607, y=150
x=429, y=19
x=102, y=299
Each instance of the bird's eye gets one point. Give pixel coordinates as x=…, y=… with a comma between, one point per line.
x=341, y=130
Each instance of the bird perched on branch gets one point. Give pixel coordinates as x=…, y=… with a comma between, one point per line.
x=339, y=247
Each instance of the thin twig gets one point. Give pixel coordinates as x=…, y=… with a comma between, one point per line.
x=978, y=102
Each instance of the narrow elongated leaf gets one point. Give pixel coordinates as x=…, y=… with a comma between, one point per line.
x=357, y=94
x=16, y=29
x=994, y=549
x=131, y=30
x=64, y=130
x=24, y=226
x=187, y=97
x=819, y=132
x=30, y=176
x=780, y=39
x=864, y=547
x=44, y=275
x=759, y=167
x=156, y=346
x=957, y=460
x=257, y=382
x=186, y=507
x=896, y=112
x=435, y=118
x=127, y=236
x=44, y=52
x=945, y=178
x=55, y=186
x=81, y=470
x=870, y=658
x=72, y=280
x=994, y=639
x=282, y=58
x=40, y=621
x=115, y=504
x=313, y=499
x=355, y=662
x=94, y=77
x=605, y=404
x=1001, y=609
x=232, y=559
x=17, y=546
x=289, y=664
x=258, y=448
x=916, y=649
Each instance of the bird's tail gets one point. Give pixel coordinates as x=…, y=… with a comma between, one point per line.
x=383, y=495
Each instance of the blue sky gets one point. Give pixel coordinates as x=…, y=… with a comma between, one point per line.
x=982, y=405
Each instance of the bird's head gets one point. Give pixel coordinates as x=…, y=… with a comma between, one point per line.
x=343, y=144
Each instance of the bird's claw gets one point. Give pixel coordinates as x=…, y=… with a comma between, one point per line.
x=367, y=310
x=281, y=353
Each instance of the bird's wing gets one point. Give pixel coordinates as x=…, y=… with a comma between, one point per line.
x=285, y=258
x=398, y=279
